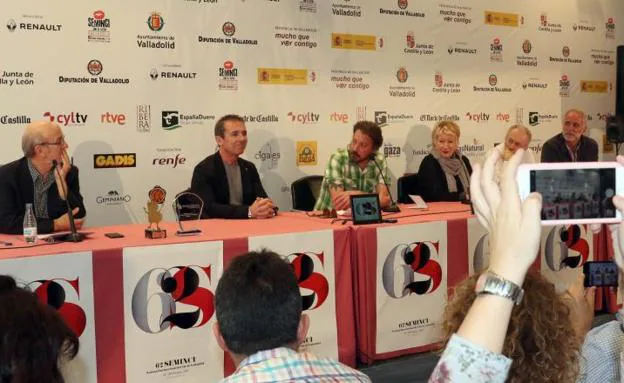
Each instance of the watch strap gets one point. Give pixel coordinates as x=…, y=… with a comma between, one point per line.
x=494, y=284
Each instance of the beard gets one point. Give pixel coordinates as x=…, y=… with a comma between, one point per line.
x=353, y=157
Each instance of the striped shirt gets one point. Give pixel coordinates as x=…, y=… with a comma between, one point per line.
x=287, y=365
x=40, y=194
x=347, y=175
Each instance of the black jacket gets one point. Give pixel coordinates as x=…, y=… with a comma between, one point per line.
x=211, y=184
x=555, y=150
x=432, y=183
x=17, y=189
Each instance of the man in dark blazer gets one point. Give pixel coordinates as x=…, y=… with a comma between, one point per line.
x=34, y=179
x=571, y=145
x=229, y=185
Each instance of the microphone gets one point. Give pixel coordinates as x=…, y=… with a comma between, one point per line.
x=393, y=208
x=74, y=236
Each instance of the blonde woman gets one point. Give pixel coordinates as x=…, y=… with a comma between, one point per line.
x=444, y=174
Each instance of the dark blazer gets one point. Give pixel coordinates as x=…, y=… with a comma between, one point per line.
x=432, y=183
x=554, y=150
x=17, y=189
x=210, y=183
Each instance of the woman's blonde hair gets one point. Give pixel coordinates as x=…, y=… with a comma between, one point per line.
x=444, y=127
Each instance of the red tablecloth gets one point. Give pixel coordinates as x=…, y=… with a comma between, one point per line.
x=444, y=244
x=367, y=273
x=107, y=258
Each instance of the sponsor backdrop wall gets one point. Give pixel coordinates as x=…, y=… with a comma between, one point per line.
x=137, y=86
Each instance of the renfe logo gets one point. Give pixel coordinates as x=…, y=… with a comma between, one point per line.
x=170, y=160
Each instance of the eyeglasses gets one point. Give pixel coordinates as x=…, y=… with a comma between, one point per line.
x=59, y=142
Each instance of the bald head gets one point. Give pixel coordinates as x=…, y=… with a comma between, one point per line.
x=37, y=133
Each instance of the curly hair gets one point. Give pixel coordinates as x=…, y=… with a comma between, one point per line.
x=540, y=338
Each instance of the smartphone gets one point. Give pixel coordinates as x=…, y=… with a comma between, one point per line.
x=600, y=273
x=114, y=235
x=574, y=192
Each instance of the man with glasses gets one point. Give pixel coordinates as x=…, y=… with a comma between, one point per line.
x=571, y=145
x=34, y=179
x=229, y=185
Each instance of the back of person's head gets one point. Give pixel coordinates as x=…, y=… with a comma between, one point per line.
x=258, y=303
x=34, y=339
x=540, y=338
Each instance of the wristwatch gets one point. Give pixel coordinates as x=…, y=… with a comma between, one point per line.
x=493, y=284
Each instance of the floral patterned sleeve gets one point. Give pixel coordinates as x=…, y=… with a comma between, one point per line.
x=463, y=361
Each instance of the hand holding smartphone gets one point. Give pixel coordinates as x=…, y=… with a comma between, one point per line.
x=574, y=192
x=600, y=274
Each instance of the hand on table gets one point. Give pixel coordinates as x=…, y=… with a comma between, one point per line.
x=262, y=208
x=62, y=222
x=342, y=200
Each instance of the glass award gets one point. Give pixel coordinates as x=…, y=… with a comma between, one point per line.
x=187, y=206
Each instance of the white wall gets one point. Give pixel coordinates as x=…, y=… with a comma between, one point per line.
x=66, y=51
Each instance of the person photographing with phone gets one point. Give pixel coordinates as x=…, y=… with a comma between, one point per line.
x=603, y=348
x=33, y=179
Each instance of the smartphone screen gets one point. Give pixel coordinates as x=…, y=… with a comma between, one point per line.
x=575, y=193
x=601, y=274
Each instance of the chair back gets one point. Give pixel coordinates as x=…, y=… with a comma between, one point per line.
x=305, y=191
x=406, y=185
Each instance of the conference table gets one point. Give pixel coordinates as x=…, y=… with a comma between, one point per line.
x=144, y=308
x=114, y=293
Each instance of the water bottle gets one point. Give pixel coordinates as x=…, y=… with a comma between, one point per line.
x=30, y=224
